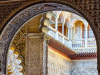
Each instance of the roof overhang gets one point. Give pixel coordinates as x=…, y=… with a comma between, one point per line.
x=60, y=48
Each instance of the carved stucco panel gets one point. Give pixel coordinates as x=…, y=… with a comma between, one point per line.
x=34, y=57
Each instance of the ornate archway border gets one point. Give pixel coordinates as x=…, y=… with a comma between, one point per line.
x=21, y=18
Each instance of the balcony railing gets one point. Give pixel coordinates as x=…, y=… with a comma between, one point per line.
x=81, y=43
x=84, y=45
x=78, y=45
x=60, y=37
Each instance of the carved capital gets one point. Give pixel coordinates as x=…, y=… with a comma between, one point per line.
x=47, y=37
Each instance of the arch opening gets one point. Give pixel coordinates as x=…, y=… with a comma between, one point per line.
x=17, y=24
x=69, y=36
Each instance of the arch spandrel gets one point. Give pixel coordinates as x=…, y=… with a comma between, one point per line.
x=24, y=16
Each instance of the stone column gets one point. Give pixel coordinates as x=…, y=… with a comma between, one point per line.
x=70, y=32
x=63, y=31
x=36, y=54
x=63, y=28
x=56, y=27
x=86, y=36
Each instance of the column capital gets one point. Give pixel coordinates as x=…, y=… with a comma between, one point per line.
x=47, y=37
x=56, y=17
x=69, y=26
x=63, y=22
x=39, y=35
x=85, y=24
x=35, y=35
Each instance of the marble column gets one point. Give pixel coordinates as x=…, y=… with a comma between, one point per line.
x=56, y=27
x=70, y=32
x=86, y=36
x=63, y=28
x=36, y=54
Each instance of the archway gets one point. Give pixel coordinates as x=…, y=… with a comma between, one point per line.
x=18, y=20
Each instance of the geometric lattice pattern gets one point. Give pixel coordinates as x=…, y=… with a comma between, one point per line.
x=61, y=65
x=86, y=71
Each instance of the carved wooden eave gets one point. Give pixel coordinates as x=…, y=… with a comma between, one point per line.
x=85, y=56
x=63, y=50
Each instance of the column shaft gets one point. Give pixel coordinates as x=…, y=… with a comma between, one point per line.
x=68, y=32
x=36, y=55
x=56, y=23
x=86, y=37
x=71, y=33
x=63, y=28
x=56, y=27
